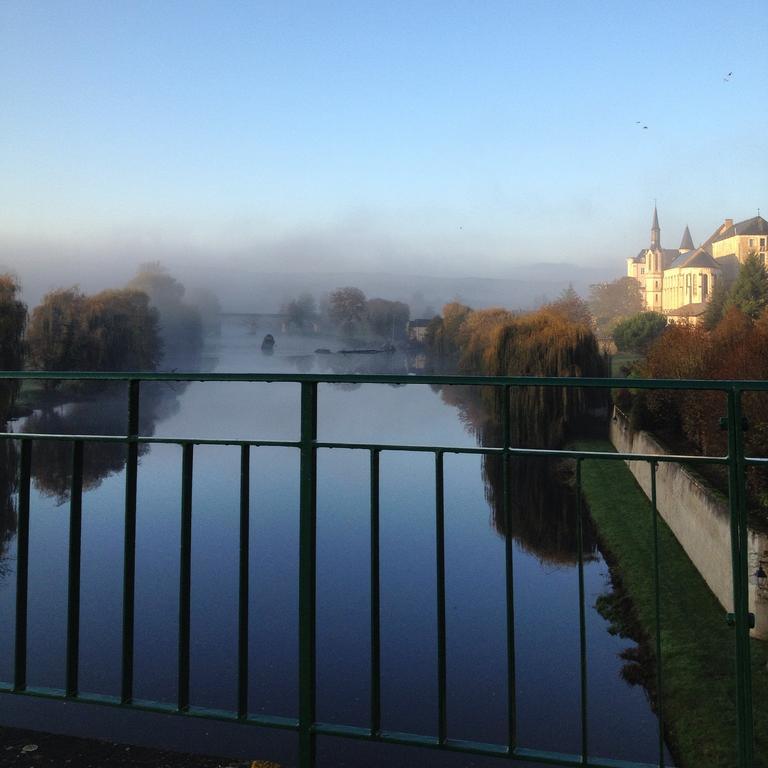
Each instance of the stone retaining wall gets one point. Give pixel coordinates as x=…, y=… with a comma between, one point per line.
x=698, y=516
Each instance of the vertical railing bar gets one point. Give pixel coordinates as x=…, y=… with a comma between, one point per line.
x=307, y=574
x=582, y=620
x=375, y=596
x=657, y=590
x=185, y=576
x=739, y=555
x=73, y=588
x=509, y=571
x=129, y=541
x=440, y=558
x=244, y=565
x=22, y=568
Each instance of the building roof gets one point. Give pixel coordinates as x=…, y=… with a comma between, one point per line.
x=689, y=310
x=420, y=323
x=757, y=225
x=668, y=253
x=686, y=244
x=698, y=258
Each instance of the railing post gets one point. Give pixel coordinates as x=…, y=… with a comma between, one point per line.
x=185, y=576
x=129, y=541
x=73, y=588
x=307, y=573
x=22, y=568
x=375, y=596
x=657, y=610
x=738, y=514
x=509, y=566
x=243, y=570
x=442, y=673
x=583, y=677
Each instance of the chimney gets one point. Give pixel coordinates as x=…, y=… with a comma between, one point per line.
x=728, y=224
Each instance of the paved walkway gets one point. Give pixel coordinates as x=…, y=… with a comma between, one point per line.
x=40, y=750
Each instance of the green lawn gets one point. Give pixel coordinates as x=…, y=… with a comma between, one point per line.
x=621, y=359
x=697, y=647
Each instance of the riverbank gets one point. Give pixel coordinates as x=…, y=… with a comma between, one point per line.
x=698, y=697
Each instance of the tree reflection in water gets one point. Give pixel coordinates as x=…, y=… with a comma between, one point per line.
x=8, y=475
x=8, y=508
x=104, y=413
x=543, y=516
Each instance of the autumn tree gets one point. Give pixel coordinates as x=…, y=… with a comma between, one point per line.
x=454, y=315
x=571, y=306
x=612, y=302
x=736, y=349
x=388, y=319
x=637, y=333
x=114, y=330
x=122, y=332
x=13, y=321
x=496, y=342
x=56, y=336
x=347, y=308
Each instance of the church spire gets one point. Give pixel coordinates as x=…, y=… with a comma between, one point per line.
x=655, y=230
x=686, y=244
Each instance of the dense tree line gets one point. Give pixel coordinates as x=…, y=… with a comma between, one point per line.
x=348, y=311
x=496, y=342
x=749, y=293
x=13, y=320
x=13, y=323
x=114, y=330
x=735, y=346
x=127, y=329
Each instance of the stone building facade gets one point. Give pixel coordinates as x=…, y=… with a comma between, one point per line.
x=678, y=282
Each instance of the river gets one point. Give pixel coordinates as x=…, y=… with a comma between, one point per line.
x=621, y=721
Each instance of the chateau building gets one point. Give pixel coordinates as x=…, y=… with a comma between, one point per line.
x=679, y=281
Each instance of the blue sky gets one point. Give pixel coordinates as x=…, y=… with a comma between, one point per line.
x=466, y=136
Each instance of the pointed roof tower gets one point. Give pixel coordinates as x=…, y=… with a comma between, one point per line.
x=686, y=244
x=655, y=230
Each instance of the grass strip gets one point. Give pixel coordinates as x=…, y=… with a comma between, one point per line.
x=697, y=647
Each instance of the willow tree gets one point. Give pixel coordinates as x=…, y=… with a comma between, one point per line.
x=56, y=334
x=13, y=320
x=114, y=330
x=542, y=343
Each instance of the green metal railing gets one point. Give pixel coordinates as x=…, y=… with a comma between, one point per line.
x=306, y=724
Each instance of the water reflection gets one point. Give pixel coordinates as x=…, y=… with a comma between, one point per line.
x=543, y=516
x=103, y=414
x=8, y=475
x=8, y=510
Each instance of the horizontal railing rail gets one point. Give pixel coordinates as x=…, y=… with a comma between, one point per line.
x=306, y=725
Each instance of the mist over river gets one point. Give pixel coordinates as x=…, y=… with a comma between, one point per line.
x=621, y=721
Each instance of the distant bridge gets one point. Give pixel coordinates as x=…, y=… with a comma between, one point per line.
x=266, y=320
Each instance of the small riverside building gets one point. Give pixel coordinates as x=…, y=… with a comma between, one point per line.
x=417, y=330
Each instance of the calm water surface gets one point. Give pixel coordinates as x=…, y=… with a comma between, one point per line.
x=621, y=722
